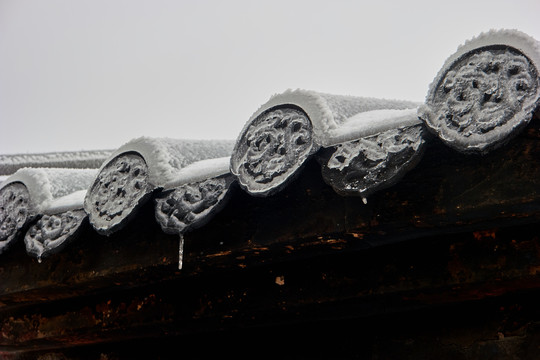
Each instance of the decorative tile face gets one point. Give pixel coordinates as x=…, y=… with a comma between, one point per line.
x=483, y=97
x=51, y=232
x=364, y=166
x=119, y=188
x=14, y=212
x=271, y=149
x=191, y=205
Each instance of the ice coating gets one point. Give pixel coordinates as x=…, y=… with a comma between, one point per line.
x=121, y=186
x=271, y=150
x=328, y=112
x=68, y=202
x=200, y=170
x=371, y=123
x=363, y=166
x=191, y=205
x=15, y=212
x=51, y=233
x=165, y=156
x=29, y=192
x=136, y=169
x=292, y=126
x=46, y=184
x=486, y=92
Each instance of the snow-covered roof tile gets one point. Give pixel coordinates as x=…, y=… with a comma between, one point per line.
x=30, y=192
x=128, y=177
x=486, y=92
x=290, y=127
x=483, y=95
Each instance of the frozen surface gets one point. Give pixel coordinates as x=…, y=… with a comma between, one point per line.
x=371, y=123
x=486, y=92
x=46, y=184
x=191, y=205
x=121, y=185
x=328, y=112
x=200, y=170
x=73, y=201
x=9, y=164
x=144, y=164
x=363, y=166
x=52, y=232
x=272, y=149
x=165, y=156
x=31, y=192
x=292, y=126
x=15, y=212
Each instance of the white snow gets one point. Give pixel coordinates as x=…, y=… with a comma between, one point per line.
x=165, y=156
x=46, y=184
x=328, y=112
x=200, y=170
x=371, y=123
x=92, y=159
x=65, y=203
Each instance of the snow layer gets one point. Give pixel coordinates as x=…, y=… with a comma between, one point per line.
x=328, y=112
x=73, y=201
x=371, y=123
x=47, y=184
x=93, y=159
x=165, y=156
x=200, y=170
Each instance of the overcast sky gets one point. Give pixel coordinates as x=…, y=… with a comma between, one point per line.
x=93, y=74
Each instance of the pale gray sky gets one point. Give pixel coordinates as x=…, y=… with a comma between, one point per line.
x=93, y=74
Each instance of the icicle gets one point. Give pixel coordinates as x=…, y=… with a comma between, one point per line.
x=181, y=252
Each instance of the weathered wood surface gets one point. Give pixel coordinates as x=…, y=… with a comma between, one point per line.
x=457, y=232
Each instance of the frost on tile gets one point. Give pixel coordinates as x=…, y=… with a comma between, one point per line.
x=15, y=212
x=363, y=166
x=484, y=95
x=271, y=149
x=191, y=205
x=290, y=127
x=121, y=185
x=30, y=192
x=51, y=233
x=138, y=168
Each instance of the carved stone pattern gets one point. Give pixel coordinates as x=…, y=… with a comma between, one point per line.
x=14, y=212
x=483, y=98
x=118, y=189
x=364, y=166
x=191, y=205
x=51, y=232
x=271, y=149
